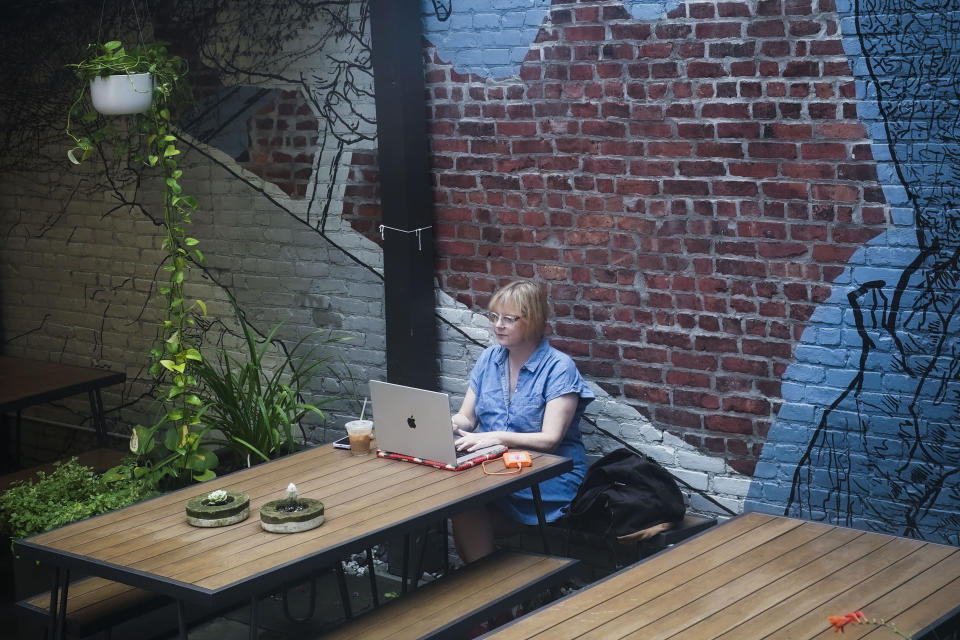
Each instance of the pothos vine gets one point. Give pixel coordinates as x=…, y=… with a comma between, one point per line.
x=175, y=355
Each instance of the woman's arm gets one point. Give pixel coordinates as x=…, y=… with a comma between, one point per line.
x=466, y=418
x=557, y=416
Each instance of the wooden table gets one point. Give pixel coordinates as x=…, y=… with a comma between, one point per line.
x=24, y=383
x=760, y=576
x=368, y=500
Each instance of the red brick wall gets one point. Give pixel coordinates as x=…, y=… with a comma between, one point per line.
x=283, y=142
x=686, y=189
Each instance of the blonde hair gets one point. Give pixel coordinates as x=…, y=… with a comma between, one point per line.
x=530, y=299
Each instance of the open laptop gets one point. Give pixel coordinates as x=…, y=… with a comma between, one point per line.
x=414, y=425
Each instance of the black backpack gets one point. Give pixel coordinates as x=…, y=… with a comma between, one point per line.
x=625, y=492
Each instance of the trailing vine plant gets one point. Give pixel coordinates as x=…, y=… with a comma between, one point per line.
x=179, y=429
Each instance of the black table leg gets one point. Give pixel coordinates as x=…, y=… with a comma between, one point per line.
x=418, y=570
x=374, y=593
x=57, y=624
x=254, y=617
x=344, y=592
x=182, y=619
x=96, y=415
x=54, y=604
x=541, y=519
x=6, y=460
x=406, y=563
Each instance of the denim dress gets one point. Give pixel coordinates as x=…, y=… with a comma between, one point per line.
x=547, y=374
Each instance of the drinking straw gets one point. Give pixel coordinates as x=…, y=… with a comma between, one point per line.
x=363, y=408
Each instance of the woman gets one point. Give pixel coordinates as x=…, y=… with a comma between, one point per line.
x=524, y=394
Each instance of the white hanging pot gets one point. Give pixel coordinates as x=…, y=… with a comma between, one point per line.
x=122, y=94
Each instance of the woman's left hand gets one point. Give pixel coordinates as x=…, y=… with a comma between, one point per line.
x=471, y=441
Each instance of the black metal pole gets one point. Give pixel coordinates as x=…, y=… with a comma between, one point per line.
x=405, y=192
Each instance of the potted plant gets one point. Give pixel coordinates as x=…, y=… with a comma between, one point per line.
x=121, y=81
x=174, y=356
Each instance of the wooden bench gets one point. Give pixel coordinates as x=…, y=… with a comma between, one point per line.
x=95, y=605
x=456, y=603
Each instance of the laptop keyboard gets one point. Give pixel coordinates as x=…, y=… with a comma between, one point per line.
x=479, y=452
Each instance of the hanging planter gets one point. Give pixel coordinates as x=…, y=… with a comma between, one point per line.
x=292, y=514
x=154, y=141
x=146, y=75
x=218, y=509
x=122, y=94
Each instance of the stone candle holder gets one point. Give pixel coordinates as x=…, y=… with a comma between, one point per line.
x=291, y=514
x=218, y=508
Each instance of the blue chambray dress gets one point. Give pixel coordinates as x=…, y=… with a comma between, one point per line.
x=548, y=374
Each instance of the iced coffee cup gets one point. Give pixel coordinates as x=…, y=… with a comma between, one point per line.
x=360, y=432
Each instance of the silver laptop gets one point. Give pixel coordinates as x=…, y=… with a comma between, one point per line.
x=416, y=422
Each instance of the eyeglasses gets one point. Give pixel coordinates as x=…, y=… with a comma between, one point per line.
x=508, y=321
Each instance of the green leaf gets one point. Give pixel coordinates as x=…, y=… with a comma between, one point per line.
x=171, y=439
x=191, y=242
x=170, y=365
x=205, y=476
x=170, y=150
x=144, y=439
x=193, y=354
x=174, y=185
x=152, y=160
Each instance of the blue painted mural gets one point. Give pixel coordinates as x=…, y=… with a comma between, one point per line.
x=868, y=434
x=492, y=39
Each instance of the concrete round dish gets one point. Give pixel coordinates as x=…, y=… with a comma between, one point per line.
x=276, y=516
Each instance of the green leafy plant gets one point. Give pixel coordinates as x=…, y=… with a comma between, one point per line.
x=256, y=409
x=174, y=354
x=113, y=58
x=69, y=493
x=171, y=454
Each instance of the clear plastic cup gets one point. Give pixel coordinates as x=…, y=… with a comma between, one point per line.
x=360, y=433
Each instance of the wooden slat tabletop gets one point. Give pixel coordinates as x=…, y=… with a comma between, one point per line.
x=366, y=499
x=25, y=382
x=760, y=576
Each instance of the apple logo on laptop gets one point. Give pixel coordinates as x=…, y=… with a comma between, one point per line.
x=411, y=422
